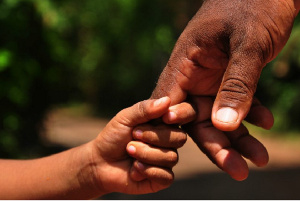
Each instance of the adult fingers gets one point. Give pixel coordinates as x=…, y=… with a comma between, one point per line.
x=215, y=144
x=248, y=146
x=143, y=111
x=260, y=116
x=226, y=149
x=152, y=155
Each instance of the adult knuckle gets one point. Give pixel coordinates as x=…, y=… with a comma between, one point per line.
x=237, y=89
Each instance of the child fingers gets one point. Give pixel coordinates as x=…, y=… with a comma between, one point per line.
x=161, y=135
x=158, y=175
x=152, y=155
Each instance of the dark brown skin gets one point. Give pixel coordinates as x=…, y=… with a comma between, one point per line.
x=220, y=55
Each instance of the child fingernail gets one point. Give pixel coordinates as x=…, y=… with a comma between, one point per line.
x=138, y=134
x=131, y=149
x=172, y=116
x=140, y=165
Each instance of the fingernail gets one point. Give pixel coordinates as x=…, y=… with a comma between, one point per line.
x=138, y=134
x=172, y=116
x=140, y=165
x=131, y=149
x=227, y=115
x=160, y=101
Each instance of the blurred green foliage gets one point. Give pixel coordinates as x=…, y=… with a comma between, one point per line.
x=31, y=78
x=107, y=53
x=279, y=86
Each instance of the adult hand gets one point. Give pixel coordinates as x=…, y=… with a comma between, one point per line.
x=222, y=52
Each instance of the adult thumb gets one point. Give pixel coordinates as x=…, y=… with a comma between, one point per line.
x=237, y=89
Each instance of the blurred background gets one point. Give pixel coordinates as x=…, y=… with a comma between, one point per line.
x=66, y=67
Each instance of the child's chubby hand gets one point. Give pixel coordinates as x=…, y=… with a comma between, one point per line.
x=135, y=155
x=155, y=145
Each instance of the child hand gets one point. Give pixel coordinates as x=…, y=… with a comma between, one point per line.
x=155, y=148
x=111, y=165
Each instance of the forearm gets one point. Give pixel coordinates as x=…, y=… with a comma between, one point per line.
x=60, y=176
